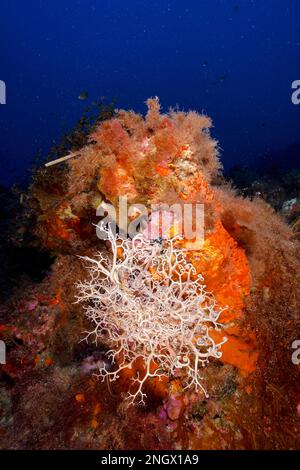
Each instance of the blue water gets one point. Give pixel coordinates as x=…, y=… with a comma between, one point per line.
x=233, y=59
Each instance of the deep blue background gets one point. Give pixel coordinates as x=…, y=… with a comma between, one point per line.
x=233, y=59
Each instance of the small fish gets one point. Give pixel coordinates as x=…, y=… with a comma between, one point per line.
x=205, y=63
x=223, y=77
x=83, y=96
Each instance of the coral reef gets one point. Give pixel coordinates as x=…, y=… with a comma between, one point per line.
x=281, y=191
x=246, y=277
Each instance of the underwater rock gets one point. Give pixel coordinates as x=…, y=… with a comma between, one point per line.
x=249, y=262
